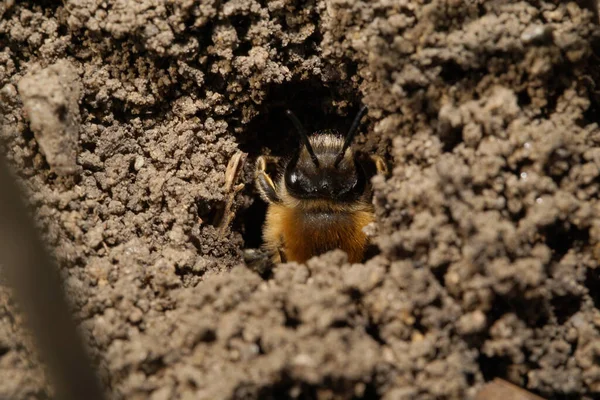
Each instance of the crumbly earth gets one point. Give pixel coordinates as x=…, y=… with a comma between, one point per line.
x=488, y=226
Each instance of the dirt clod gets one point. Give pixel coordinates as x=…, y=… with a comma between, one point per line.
x=51, y=102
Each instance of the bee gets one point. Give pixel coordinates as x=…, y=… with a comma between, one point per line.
x=319, y=199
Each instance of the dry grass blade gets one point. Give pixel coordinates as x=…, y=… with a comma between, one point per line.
x=37, y=288
x=234, y=169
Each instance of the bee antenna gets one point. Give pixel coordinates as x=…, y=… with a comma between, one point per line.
x=350, y=136
x=303, y=136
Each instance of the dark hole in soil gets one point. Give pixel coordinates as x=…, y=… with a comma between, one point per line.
x=89, y=146
x=354, y=294
x=371, y=251
x=450, y=137
x=592, y=113
x=62, y=113
x=46, y=4
x=288, y=388
x=534, y=312
x=550, y=107
x=312, y=103
x=452, y=72
x=418, y=325
x=523, y=98
x=254, y=218
x=592, y=282
x=214, y=80
x=131, y=167
x=241, y=25
x=493, y=367
x=373, y=331
x=151, y=367
x=470, y=378
x=558, y=166
x=291, y=320
x=565, y=307
x=369, y=393
x=340, y=323
x=243, y=49
x=208, y=336
x=27, y=134
x=440, y=273
x=272, y=132
x=210, y=211
x=563, y=236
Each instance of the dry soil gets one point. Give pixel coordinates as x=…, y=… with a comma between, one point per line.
x=120, y=117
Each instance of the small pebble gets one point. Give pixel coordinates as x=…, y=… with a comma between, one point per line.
x=138, y=163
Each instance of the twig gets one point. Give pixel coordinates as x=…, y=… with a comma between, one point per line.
x=37, y=289
x=234, y=169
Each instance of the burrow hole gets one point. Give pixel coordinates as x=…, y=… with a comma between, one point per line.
x=563, y=236
x=565, y=307
x=592, y=282
x=318, y=107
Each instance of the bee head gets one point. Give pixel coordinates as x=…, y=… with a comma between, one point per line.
x=325, y=167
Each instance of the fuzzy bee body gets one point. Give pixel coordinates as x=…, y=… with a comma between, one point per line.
x=297, y=236
x=320, y=199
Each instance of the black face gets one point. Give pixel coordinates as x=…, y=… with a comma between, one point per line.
x=344, y=183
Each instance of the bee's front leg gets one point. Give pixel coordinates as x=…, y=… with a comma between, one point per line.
x=269, y=192
x=380, y=165
x=265, y=185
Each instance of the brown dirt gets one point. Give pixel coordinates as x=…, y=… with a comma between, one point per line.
x=120, y=117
